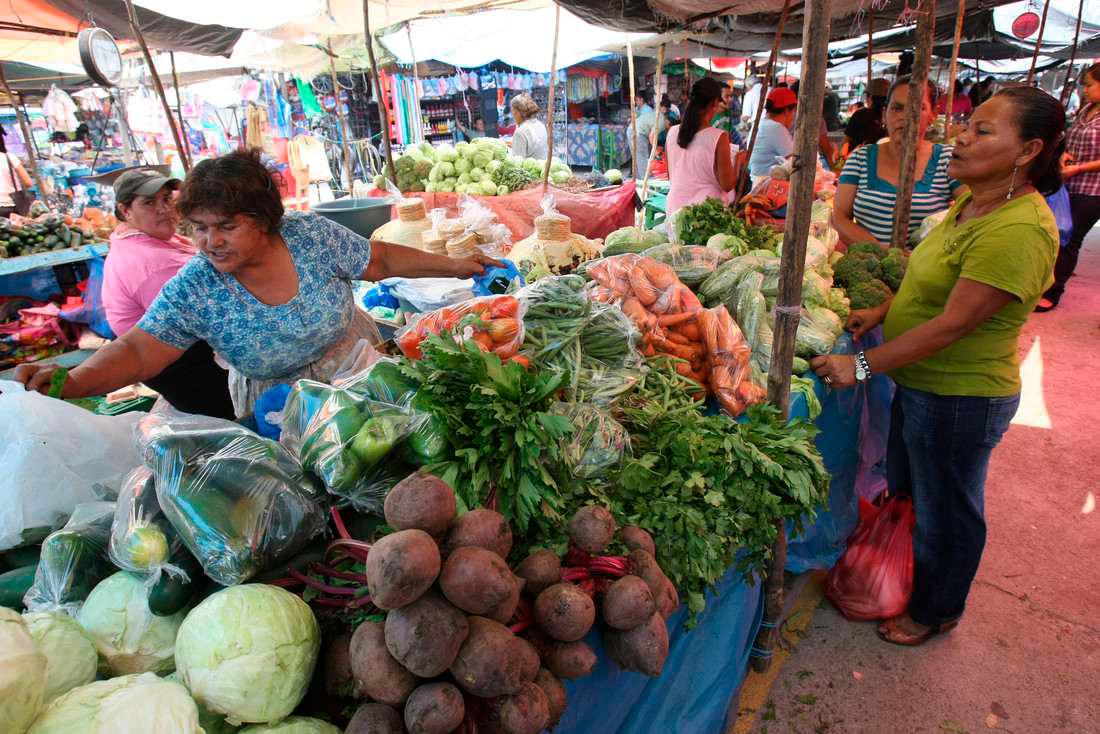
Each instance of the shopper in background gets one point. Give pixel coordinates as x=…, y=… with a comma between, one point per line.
x=529, y=139
x=469, y=134
x=867, y=194
x=13, y=177
x=951, y=344
x=270, y=292
x=146, y=251
x=1081, y=170
x=646, y=123
x=729, y=116
x=961, y=106
x=832, y=109
x=700, y=165
x=751, y=101
x=866, y=126
x=774, y=141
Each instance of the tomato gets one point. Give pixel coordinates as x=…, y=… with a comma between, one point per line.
x=409, y=343
x=449, y=316
x=504, y=330
x=504, y=307
x=506, y=351
x=483, y=340
x=522, y=361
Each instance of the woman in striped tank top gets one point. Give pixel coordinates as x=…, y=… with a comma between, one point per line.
x=867, y=192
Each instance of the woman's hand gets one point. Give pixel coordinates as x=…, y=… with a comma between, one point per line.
x=36, y=377
x=835, y=370
x=468, y=267
x=1070, y=171
x=863, y=320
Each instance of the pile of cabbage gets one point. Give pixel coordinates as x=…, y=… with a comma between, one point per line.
x=481, y=168
x=244, y=655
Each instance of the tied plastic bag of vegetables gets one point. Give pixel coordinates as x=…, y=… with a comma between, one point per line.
x=241, y=503
x=73, y=560
x=692, y=265
x=730, y=366
x=494, y=323
x=347, y=438
x=598, y=444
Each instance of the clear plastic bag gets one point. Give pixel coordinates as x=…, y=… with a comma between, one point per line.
x=73, y=560
x=729, y=362
x=722, y=284
x=815, y=288
x=240, y=503
x=874, y=577
x=494, y=238
x=556, y=310
x=814, y=337
x=598, y=444
x=750, y=306
x=143, y=541
x=494, y=323
x=692, y=265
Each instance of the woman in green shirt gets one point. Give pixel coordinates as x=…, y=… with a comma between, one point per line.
x=951, y=335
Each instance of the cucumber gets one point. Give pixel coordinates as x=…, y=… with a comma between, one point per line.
x=26, y=555
x=14, y=586
x=312, y=553
x=170, y=594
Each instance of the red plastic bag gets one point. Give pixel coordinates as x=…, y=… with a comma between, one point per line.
x=874, y=577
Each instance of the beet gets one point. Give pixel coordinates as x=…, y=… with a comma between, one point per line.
x=425, y=636
x=401, y=567
x=669, y=599
x=375, y=718
x=339, y=677
x=642, y=649
x=434, y=708
x=644, y=565
x=635, y=538
x=525, y=712
x=541, y=570
x=592, y=528
x=628, y=603
x=504, y=611
x=481, y=528
x=530, y=658
x=491, y=661
x=421, y=502
x=569, y=660
x=379, y=675
x=565, y=612
x=555, y=693
x=476, y=580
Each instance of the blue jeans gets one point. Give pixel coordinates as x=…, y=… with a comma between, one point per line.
x=939, y=452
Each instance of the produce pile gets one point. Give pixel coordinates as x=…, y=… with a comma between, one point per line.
x=45, y=233
x=870, y=274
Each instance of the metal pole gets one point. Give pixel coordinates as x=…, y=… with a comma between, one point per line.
x=157, y=84
x=550, y=101
x=25, y=128
x=633, y=109
x=764, y=90
x=657, y=97
x=345, y=142
x=922, y=62
x=811, y=94
x=1067, y=88
x=186, y=153
x=383, y=113
x=949, y=111
x=1039, y=41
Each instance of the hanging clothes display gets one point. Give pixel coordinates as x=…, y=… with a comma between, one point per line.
x=309, y=101
x=307, y=159
x=60, y=110
x=278, y=111
x=256, y=133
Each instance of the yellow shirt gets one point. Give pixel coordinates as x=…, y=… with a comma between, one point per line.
x=1012, y=249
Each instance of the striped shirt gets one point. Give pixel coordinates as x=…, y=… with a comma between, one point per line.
x=1083, y=146
x=876, y=198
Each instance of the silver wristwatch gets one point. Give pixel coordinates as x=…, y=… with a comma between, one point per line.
x=863, y=370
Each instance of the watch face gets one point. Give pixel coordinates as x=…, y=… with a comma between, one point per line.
x=100, y=56
x=861, y=374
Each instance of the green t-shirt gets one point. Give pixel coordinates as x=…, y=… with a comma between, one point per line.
x=1013, y=249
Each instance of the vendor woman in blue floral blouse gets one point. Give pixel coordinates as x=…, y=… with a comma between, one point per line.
x=270, y=292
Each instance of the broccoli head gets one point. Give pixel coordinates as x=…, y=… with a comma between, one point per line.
x=893, y=268
x=855, y=268
x=870, y=248
x=869, y=294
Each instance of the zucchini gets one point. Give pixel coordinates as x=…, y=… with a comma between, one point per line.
x=14, y=586
x=170, y=593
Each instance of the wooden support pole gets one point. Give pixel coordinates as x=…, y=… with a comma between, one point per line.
x=1067, y=88
x=25, y=128
x=910, y=142
x=383, y=113
x=1039, y=41
x=954, y=72
x=416, y=86
x=633, y=109
x=186, y=152
x=870, y=43
x=552, y=91
x=657, y=100
x=768, y=75
x=811, y=94
x=345, y=139
x=176, y=133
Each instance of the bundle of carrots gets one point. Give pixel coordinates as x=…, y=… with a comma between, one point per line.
x=494, y=323
x=673, y=322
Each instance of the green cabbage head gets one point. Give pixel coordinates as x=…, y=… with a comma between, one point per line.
x=129, y=637
x=71, y=658
x=293, y=725
x=130, y=704
x=22, y=674
x=248, y=652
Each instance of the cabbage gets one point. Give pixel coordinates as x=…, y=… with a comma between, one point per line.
x=613, y=175
x=131, y=704
x=129, y=637
x=462, y=188
x=210, y=722
x=446, y=153
x=476, y=174
x=446, y=186
x=248, y=652
x=500, y=153
x=22, y=674
x=632, y=239
x=493, y=165
x=532, y=166
x=463, y=165
x=488, y=188
x=464, y=149
x=427, y=149
x=71, y=658
x=560, y=177
x=503, y=190
x=293, y=725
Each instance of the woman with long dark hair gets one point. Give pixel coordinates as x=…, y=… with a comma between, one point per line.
x=13, y=177
x=699, y=162
x=951, y=334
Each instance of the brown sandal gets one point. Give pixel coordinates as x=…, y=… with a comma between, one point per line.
x=890, y=632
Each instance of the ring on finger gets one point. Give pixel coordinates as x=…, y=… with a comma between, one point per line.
x=827, y=380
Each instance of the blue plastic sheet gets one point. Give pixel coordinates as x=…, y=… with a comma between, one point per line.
x=1063, y=215
x=92, y=312
x=38, y=283
x=703, y=673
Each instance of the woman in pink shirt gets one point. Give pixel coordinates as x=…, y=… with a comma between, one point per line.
x=146, y=251
x=699, y=162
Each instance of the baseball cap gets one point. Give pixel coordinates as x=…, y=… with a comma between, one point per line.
x=142, y=182
x=782, y=98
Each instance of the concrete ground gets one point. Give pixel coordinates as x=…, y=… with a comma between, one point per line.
x=1026, y=656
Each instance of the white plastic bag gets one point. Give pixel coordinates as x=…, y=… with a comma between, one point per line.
x=54, y=455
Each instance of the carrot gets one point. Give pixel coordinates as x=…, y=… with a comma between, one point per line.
x=675, y=337
x=643, y=289
x=673, y=319
x=659, y=274
x=690, y=329
x=689, y=299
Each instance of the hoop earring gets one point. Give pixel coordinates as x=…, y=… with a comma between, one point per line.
x=1012, y=185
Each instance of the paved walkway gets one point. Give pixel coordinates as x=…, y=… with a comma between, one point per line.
x=1026, y=657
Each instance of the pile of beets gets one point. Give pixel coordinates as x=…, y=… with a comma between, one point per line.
x=471, y=645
